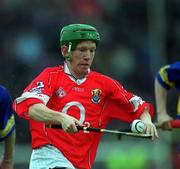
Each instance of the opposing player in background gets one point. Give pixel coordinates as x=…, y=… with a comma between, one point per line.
x=7, y=129
x=72, y=95
x=168, y=77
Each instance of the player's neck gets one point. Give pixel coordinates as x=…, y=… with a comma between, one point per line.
x=77, y=76
x=74, y=74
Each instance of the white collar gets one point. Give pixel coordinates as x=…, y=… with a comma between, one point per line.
x=78, y=81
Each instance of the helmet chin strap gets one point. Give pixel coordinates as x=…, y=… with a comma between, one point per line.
x=68, y=57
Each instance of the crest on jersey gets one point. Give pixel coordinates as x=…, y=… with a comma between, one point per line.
x=60, y=92
x=96, y=95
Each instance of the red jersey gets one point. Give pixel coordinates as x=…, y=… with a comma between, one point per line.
x=95, y=100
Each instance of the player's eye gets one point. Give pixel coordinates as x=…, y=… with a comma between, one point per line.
x=83, y=49
x=92, y=50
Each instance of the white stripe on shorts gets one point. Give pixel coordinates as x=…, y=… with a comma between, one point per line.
x=48, y=157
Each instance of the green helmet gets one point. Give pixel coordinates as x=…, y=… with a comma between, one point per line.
x=75, y=33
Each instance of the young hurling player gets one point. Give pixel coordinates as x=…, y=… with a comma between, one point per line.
x=72, y=95
x=7, y=129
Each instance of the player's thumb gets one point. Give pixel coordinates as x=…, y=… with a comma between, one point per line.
x=77, y=122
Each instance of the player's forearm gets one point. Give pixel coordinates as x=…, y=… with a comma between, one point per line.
x=161, y=98
x=42, y=113
x=9, y=148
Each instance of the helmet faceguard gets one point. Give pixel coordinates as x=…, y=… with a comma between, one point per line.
x=73, y=34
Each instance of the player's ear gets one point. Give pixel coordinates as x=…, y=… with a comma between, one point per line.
x=64, y=50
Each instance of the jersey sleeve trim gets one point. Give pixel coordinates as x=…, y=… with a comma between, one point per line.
x=27, y=95
x=22, y=108
x=8, y=128
x=163, y=78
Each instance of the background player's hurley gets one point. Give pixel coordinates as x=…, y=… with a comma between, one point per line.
x=169, y=125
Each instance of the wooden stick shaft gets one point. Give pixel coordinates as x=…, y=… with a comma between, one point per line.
x=92, y=129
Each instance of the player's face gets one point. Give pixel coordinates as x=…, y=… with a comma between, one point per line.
x=82, y=57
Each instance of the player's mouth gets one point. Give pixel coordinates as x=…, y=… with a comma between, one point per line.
x=84, y=66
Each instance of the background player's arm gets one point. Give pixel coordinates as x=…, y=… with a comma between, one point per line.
x=9, y=144
x=161, y=102
x=41, y=112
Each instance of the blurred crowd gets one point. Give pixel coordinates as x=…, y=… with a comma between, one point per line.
x=30, y=38
x=128, y=50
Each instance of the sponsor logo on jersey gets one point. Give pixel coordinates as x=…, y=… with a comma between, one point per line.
x=39, y=87
x=60, y=92
x=78, y=89
x=96, y=95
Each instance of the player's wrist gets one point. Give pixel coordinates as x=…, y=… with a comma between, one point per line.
x=7, y=156
x=162, y=113
x=145, y=117
x=61, y=118
x=7, y=160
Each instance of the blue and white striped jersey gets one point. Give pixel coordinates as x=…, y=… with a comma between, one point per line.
x=169, y=77
x=7, y=121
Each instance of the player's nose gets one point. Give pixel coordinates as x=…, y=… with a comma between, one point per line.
x=87, y=55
